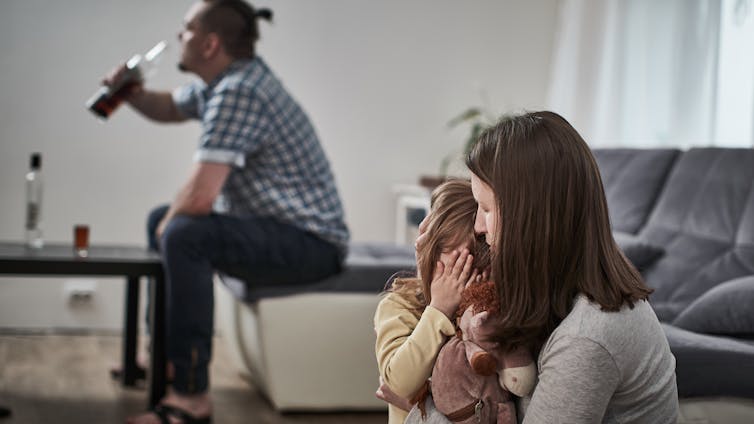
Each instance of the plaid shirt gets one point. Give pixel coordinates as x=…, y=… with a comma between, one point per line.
x=279, y=169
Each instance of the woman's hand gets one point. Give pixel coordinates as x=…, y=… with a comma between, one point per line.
x=384, y=393
x=422, y=238
x=449, y=281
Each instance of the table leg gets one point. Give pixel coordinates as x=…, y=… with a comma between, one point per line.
x=158, y=358
x=130, y=331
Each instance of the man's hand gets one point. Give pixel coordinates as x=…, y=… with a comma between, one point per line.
x=384, y=393
x=115, y=76
x=155, y=105
x=161, y=228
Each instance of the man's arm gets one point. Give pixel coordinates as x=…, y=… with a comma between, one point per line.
x=156, y=105
x=199, y=192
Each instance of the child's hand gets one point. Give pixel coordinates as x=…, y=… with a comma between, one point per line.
x=449, y=281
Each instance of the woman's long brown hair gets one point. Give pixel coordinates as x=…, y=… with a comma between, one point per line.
x=553, y=239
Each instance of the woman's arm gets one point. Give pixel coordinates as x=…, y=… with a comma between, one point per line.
x=577, y=379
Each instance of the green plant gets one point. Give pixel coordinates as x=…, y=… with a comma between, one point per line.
x=478, y=119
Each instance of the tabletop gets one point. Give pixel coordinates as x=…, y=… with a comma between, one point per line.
x=15, y=257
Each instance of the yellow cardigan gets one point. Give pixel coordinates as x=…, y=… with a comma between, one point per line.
x=407, y=346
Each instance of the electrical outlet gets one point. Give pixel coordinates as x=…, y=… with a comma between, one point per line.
x=79, y=291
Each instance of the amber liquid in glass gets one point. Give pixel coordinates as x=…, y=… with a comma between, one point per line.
x=81, y=240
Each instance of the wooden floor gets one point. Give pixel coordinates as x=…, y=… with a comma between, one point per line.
x=64, y=379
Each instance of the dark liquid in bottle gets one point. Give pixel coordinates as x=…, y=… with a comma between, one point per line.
x=104, y=102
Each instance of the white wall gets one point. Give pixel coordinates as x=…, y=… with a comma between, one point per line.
x=380, y=80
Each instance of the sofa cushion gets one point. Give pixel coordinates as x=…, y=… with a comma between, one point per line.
x=641, y=253
x=367, y=269
x=711, y=365
x=704, y=219
x=633, y=179
x=724, y=310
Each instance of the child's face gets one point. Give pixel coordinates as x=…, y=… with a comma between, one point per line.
x=486, y=214
x=423, y=247
x=448, y=251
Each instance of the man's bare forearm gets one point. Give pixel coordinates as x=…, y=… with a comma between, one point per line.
x=198, y=194
x=156, y=105
x=187, y=202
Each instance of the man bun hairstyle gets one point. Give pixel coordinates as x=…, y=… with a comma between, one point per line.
x=235, y=22
x=264, y=13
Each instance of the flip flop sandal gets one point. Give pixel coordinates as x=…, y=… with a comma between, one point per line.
x=165, y=412
x=5, y=412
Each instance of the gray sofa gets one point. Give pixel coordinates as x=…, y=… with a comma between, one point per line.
x=686, y=219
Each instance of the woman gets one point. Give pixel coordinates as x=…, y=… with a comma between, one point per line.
x=566, y=290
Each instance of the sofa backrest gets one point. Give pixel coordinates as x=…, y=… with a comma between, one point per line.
x=704, y=220
x=633, y=179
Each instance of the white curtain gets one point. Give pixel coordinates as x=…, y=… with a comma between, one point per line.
x=734, y=119
x=639, y=72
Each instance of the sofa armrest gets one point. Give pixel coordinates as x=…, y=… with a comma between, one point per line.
x=725, y=309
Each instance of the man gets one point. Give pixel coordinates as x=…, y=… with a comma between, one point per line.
x=260, y=203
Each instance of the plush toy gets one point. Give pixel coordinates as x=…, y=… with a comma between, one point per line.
x=473, y=377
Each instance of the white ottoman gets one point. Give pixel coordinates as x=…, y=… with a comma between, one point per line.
x=311, y=347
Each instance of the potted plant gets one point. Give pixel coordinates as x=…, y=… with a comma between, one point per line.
x=478, y=119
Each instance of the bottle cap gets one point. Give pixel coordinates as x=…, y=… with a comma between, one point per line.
x=36, y=160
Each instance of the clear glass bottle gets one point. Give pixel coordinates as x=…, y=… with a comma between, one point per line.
x=104, y=102
x=34, y=185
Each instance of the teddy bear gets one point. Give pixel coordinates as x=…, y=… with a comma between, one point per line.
x=473, y=378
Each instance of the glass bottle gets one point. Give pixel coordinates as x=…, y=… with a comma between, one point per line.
x=104, y=102
x=34, y=203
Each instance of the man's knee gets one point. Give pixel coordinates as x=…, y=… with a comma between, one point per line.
x=182, y=232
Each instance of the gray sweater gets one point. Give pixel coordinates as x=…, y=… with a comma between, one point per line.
x=610, y=367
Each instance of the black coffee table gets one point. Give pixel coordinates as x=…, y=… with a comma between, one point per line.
x=130, y=262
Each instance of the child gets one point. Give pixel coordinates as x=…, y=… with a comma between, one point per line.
x=414, y=319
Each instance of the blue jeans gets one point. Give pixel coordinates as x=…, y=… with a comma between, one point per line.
x=256, y=250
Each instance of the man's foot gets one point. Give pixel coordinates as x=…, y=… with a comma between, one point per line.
x=178, y=409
